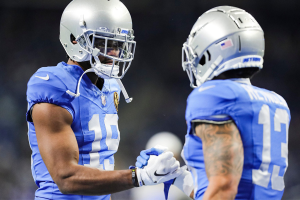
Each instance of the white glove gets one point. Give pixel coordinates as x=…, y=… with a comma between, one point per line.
x=160, y=168
x=184, y=182
x=160, y=147
x=142, y=159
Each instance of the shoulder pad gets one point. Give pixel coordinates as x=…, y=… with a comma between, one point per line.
x=211, y=98
x=47, y=86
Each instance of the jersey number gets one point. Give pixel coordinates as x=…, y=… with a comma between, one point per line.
x=112, y=139
x=262, y=176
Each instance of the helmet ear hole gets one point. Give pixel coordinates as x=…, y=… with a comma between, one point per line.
x=72, y=38
x=208, y=55
x=202, y=60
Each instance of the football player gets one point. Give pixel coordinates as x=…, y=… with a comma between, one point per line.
x=236, y=144
x=72, y=117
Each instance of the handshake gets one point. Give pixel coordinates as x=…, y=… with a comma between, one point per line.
x=157, y=165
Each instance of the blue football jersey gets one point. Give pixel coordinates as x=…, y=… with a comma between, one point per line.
x=95, y=122
x=262, y=118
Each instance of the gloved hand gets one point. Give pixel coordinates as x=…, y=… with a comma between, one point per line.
x=159, y=169
x=142, y=159
x=185, y=182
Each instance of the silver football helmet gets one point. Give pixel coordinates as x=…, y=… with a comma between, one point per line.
x=100, y=28
x=222, y=39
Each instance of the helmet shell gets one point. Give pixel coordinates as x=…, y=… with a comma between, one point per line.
x=220, y=35
x=106, y=15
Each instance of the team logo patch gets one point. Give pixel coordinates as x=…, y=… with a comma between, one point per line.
x=116, y=100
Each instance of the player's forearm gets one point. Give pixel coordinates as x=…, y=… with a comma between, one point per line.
x=192, y=195
x=90, y=181
x=221, y=188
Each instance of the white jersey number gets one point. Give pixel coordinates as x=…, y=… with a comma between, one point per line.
x=111, y=123
x=261, y=176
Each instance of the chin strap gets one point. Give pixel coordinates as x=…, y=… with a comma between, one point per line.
x=78, y=85
x=77, y=94
x=127, y=99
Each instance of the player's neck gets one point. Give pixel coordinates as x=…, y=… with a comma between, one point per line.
x=221, y=77
x=92, y=76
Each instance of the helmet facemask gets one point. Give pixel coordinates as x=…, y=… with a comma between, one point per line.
x=188, y=62
x=198, y=68
x=116, y=50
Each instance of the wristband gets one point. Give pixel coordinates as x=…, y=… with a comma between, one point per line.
x=133, y=175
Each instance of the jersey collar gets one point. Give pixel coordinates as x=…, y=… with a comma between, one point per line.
x=241, y=80
x=74, y=70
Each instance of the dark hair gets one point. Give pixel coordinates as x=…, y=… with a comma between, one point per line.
x=248, y=72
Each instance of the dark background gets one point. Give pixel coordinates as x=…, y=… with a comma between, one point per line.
x=29, y=40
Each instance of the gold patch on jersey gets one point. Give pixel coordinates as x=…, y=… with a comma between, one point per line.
x=116, y=100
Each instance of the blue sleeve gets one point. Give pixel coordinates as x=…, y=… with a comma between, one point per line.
x=47, y=91
x=213, y=98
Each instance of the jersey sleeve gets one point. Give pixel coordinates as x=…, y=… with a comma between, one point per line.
x=52, y=90
x=212, y=102
x=215, y=119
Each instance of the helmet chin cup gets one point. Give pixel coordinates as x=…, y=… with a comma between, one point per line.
x=108, y=72
x=105, y=71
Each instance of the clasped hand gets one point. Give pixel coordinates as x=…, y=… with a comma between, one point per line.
x=156, y=165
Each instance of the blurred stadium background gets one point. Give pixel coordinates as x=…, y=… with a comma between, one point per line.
x=29, y=38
